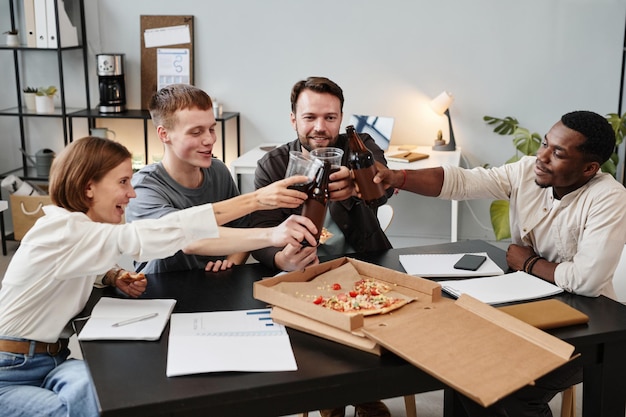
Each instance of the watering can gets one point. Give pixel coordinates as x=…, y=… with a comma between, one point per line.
x=42, y=161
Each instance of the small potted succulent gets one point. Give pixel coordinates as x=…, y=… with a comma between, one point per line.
x=29, y=97
x=44, y=100
x=12, y=38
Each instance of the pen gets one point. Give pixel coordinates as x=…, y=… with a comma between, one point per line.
x=135, y=320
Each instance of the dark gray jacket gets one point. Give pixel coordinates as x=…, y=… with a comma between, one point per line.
x=357, y=221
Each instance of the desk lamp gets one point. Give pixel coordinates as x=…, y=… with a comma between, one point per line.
x=440, y=106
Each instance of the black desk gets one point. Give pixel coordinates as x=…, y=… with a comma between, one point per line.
x=130, y=376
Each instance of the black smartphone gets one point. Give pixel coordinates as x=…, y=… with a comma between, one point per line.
x=470, y=262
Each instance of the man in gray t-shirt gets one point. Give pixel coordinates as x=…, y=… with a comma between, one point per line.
x=158, y=194
x=187, y=176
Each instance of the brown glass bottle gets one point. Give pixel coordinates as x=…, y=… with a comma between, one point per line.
x=315, y=206
x=361, y=162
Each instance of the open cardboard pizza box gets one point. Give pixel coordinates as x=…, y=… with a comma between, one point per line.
x=472, y=347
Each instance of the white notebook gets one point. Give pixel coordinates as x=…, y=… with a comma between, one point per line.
x=219, y=341
x=516, y=286
x=442, y=265
x=127, y=319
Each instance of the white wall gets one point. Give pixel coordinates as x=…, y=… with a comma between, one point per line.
x=532, y=59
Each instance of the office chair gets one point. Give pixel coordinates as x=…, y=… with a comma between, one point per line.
x=385, y=216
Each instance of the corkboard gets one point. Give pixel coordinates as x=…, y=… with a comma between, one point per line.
x=149, y=55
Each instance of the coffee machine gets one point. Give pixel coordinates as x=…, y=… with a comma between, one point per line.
x=111, y=83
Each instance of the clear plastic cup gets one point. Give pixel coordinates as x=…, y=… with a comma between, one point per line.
x=332, y=155
x=301, y=164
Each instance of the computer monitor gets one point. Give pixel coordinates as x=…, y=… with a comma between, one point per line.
x=377, y=127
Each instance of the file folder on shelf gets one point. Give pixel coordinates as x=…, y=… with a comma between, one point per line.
x=41, y=23
x=29, y=23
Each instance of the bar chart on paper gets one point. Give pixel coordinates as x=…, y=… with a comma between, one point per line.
x=241, y=340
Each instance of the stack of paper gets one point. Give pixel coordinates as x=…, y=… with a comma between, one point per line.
x=517, y=286
x=127, y=319
x=442, y=265
x=246, y=340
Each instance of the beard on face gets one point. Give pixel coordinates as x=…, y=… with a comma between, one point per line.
x=305, y=143
x=542, y=185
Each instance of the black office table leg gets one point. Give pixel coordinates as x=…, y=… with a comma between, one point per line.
x=603, y=386
x=4, y=239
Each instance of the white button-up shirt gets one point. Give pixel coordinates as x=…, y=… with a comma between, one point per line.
x=51, y=276
x=584, y=232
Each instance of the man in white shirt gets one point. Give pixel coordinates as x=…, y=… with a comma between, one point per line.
x=568, y=224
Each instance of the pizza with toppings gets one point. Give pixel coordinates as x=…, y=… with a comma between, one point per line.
x=367, y=296
x=344, y=290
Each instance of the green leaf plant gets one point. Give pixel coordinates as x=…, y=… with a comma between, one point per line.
x=527, y=143
x=47, y=91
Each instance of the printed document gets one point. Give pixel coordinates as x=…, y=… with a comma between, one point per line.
x=242, y=340
x=127, y=319
x=516, y=286
x=442, y=265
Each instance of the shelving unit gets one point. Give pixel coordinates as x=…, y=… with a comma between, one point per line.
x=21, y=53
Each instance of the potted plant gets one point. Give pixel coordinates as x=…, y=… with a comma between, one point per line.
x=527, y=143
x=12, y=38
x=44, y=100
x=29, y=97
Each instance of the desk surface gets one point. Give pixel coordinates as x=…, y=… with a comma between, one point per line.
x=329, y=374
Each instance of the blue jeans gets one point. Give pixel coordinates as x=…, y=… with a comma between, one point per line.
x=44, y=385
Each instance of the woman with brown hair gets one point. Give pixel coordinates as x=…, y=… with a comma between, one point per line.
x=74, y=245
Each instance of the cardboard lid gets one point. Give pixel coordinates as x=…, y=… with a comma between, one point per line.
x=474, y=348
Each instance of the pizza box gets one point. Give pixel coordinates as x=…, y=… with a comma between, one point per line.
x=272, y=290
x=484, y=353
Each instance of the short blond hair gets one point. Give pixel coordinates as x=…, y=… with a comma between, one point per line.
x=82, y=161
x=165, y=103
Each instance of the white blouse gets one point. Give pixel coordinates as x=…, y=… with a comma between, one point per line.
x=51, y=276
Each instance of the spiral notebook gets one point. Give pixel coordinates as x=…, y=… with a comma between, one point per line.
x=442, y=265
x=127, y=319
x=221, y=341
x=516, y=286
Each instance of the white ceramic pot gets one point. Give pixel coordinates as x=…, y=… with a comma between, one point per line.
x=44, y=104
x=13, y=40
x=29, y=101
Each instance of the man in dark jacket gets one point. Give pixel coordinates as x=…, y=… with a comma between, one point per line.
x=316, y=114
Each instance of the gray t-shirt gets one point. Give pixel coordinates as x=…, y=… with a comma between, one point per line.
x=158, y=194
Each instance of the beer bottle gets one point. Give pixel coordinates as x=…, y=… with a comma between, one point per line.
x=362, y=164
x=315, y=205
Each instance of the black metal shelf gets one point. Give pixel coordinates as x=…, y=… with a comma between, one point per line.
x=20, y=54
x=144, y=115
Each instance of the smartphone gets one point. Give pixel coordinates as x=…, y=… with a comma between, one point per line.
x=470, y=262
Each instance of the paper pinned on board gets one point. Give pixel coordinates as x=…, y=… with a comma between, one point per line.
x=172, y=35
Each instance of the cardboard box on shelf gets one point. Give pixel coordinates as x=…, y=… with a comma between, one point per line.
x=472, y=347
x=26, y=209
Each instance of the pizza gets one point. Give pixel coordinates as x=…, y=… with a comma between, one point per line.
x=344, y=290
x=367, y=296
x=325, y=235
x=128, y=276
